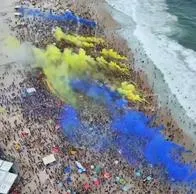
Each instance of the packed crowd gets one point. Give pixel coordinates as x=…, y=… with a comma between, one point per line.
x=30, y=130
x=39, y=31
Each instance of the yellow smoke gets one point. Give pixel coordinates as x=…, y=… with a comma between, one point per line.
x=47, y=83
x=2, y=110
x=129, y=91
x=12, y=42
x=55, y=69
x=112, y=66
x=112, y=54
x=61, y=67
x=117, y=68
x=79, y=41
x=79, y=64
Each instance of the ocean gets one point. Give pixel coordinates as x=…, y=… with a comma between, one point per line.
x=186, y=13
x=161, y=34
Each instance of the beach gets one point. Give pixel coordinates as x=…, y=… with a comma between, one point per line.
x=160, y=72
x=30, y=127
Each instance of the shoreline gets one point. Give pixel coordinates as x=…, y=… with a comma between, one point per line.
x=167, y=109
x=167, y=99
x=42, y=178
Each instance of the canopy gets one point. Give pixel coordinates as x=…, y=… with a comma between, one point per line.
x=5, y=165
x=17, y=14
x=6, y=178
x=30, y=90
x=6, y=181
x=49, y=159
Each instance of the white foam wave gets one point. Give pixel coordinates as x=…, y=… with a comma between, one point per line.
x=178, y=64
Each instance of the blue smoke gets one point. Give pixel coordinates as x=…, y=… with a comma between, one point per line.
x=68, y=16
x=80, y=134
x=98, y=92
x=70, y=122
x=134, y=137
x=162, y=152
x=134, y=123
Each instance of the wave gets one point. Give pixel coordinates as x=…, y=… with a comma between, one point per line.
x=154, y=26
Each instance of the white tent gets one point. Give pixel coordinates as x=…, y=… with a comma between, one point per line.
x=30, y=90
x=6, y=181
x=49, y=159
x=6, y=178
x=17, y=14
x=5, y=165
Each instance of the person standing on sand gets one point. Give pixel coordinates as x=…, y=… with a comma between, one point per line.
x=73, y=5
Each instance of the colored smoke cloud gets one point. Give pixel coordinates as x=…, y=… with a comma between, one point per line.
x=62, y=67
x=80, y=134
x=136, y=139
x=18, y=52
x=68, y=16
x=100, y=93
x=70, y=122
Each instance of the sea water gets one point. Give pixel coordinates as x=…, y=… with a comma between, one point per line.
x=153, y=31
x=186, y=13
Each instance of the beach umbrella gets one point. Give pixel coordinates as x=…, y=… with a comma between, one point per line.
x=56, y=149
x=86, y=186
x=107, y=175
x=97, y=182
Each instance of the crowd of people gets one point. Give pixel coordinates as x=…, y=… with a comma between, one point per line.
x=30, y=131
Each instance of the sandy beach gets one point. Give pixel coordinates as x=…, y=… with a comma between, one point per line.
x=29, y=126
